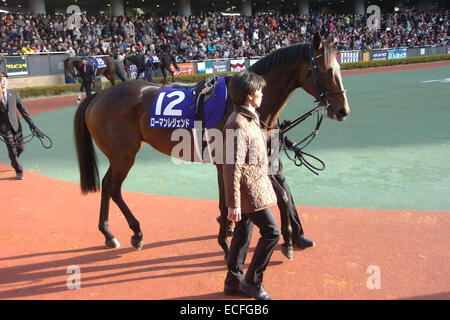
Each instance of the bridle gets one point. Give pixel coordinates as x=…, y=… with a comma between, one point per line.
x=299, y=158
x=314, y=69
x=73, y=69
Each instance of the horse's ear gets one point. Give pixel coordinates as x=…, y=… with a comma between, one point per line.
x=317, y=41
x=330, y=41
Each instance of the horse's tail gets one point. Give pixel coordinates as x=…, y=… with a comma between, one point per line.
x=87, y=159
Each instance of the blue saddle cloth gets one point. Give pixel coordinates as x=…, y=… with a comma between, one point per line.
x=97, y=63
x=155, y=59
x=174, y=107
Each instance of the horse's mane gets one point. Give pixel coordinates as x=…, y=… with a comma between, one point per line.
x=290, y=55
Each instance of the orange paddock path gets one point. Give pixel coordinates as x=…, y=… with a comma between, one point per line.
x=48, y=227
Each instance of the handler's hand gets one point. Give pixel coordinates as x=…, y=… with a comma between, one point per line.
x=234, y=214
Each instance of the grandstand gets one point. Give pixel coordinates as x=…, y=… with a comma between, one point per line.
x=186, y=7
x=121, y=27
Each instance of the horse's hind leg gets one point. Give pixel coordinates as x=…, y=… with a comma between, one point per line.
x=119, y=170
x=103, y=225
x=110, y=77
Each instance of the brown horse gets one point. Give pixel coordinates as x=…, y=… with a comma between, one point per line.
x=165, y=60
x=117, y=120
x=109, y=71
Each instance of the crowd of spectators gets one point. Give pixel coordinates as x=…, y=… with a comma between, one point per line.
x=211, y=36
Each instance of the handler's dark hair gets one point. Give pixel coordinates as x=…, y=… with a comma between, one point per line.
x=244, y=83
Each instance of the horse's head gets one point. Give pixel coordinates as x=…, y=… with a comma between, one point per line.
x=135, y=59
x=323, y=80
x=68, y=65
x=126, y=61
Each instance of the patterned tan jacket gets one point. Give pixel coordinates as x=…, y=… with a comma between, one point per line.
x=245, y=168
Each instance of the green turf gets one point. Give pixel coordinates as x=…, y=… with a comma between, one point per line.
x=392, y=152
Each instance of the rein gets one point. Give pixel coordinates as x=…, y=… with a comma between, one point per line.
x=35, y=132
x=300, y=156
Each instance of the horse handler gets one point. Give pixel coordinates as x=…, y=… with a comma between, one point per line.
x=10, y=126
x=88, y=77
x=291, y=227
x=248, y=190
x=148, y=67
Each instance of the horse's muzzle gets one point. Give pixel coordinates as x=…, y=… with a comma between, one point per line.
x=339, y=115
x=342, y=114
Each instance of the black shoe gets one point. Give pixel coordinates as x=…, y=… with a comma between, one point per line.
x=19, y=176
x=233, y=290
x=287, y=251
x=255, y=291
x=303, y=243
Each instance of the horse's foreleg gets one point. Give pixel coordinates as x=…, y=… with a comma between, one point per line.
x=118, y=174
x=103, y=224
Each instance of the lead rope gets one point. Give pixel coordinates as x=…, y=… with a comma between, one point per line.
x=35, y=132
x=301, y=156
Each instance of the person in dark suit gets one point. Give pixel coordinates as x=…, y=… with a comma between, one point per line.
x=10, y=126
x=88, y=76
x=291, y=227
x=148, y=66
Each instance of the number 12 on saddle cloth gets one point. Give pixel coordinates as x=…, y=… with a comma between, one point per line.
x=176, y=106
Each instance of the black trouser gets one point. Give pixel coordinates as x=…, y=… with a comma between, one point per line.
x=148, y=75
x=14, y=144
x=139, y=72
x=287, y=209
x=87, y=87
x=240, y=243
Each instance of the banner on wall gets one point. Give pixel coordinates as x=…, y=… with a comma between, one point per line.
x=220, y=66
x=379, y=55
x=253, y=61
x=366, y=56
x=397, y=54
x=237, y=64
x=351, y=56
x=205, y=67
x=448, y=49
x=184, y=68
x=132, y=72
x=16, y=66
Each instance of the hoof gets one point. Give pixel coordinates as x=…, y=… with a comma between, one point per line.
x=113, y=243
x=137, y=242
